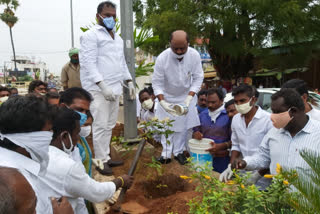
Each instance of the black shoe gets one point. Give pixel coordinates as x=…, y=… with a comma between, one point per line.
x=113, y=163
x=106, y=170
x=181, y=159
x=163, y=160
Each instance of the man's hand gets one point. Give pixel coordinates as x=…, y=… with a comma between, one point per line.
x=167, y=108
x=216, y=147
x=239, y=164
x=197, y=135
x=226, y=174
x=132, y=91
x=106, y=91
x=128, y=180
x=61, y=207
x=188, y=100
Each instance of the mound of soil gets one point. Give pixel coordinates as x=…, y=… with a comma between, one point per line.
x=163, y=186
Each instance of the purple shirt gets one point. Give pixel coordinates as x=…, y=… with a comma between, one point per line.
x=220, y=131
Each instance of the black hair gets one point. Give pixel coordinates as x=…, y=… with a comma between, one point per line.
x=24, y=114
x=291, y=98
x=34, y=84
x=4, y=89
x=229, y=103
x=217, y=91
x=250, y=91
x=64, y=121
x=202, y=92
x=50, y=90
x=89, y=115
x=105, y=3
x=299, y=85
x=146, y=90
x=70, y=94
x=171, y=36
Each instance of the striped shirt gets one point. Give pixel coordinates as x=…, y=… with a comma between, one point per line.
x=278, y=146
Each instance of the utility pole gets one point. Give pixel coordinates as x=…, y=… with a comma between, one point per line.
x=71, y=13
x=130, y=107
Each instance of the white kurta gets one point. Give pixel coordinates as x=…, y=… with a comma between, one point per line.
x=175, y=79
x=65, y=177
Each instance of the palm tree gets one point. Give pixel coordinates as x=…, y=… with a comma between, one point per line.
x=10, y=19
x=308, y=185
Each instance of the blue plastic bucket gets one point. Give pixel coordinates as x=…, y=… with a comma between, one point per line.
x=198, y=151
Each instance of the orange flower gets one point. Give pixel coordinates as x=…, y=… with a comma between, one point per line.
x=190, y=181
x=207, y=177
x=184, y=177
x=285, y=182
x=242, y=186
x=268, y=176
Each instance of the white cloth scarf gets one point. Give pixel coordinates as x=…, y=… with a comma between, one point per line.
x=215, y=114
x=36, y=143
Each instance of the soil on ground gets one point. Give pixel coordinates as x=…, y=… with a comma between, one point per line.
x=154, y=193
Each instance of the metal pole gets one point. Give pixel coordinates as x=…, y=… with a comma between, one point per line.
x=130, y=115
x=71, y=13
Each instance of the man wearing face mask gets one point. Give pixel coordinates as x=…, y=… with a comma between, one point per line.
x=301, y=87
x=215, y=125
x=177, y=77
x=248, y=129
x=38, y=87
x=25, y=124
x=66, y=177
x=293, y=132
x=103, y=72
x=148, y=103
x=70, y=74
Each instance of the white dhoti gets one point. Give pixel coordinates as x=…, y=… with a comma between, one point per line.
x=181, y=127
x=105, y=114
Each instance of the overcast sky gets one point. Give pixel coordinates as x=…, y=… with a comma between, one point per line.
x=43, y=30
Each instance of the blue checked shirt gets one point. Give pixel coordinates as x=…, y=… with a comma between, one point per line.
x=278, y=146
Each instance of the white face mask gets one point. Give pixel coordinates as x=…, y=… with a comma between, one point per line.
x=85, y=131
x=147, y=104
x=244, y=108
x=177, y=56
x=36, y=144
x=68, y=151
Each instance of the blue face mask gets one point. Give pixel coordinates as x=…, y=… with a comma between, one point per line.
x=108, y=22
x=83, y=118
x=201, y=109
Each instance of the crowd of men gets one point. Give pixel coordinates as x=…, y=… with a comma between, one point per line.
x=46, y=161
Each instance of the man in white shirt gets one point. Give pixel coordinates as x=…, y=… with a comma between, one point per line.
x=24, y=142
x=103, y=71
x=66, y=177
x=293, y=132
x=177, y=77
x=248, y=129
x=301, y=87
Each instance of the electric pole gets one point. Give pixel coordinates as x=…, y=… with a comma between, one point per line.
x=71, y=14
x=130, y=107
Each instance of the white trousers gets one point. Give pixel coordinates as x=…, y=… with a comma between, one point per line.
x=177, y=144
x=105, y=114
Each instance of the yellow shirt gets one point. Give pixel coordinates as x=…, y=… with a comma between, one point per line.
x=70, y=75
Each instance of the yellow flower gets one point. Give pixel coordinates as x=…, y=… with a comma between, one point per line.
x=184, y=177
x=209, y=191
x=285, y=182
x=230, y=182
x=268, y=176
x=207, y=177
x=278, y=169
x=242, y=186
x=231, y=193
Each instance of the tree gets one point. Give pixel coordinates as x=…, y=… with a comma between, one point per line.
x=237, y=30
x=10, y=19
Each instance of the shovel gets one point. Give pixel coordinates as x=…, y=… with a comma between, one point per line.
x=117, y=206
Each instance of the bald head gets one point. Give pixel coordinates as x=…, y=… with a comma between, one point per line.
x=16, y=194
x=179, y=43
